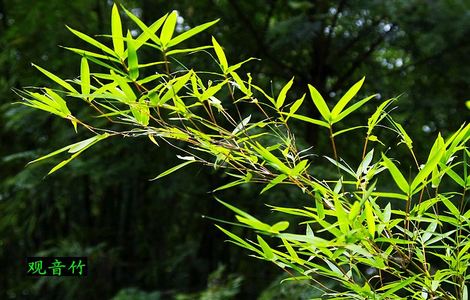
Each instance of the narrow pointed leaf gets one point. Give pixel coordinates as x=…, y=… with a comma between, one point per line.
x=320, y=103
x=352, y=108
x=93, y=42
x=193, y=31
x=369, y=218
x=116, y=31
x=282, y=95
x=147, y=32
x=175, y=168
x=396, y=174
x=132, y=60
x=268, y=252
x=220, y=55
x=85, y=76
x=346, y=98
x=55, y=78
x=168, y=29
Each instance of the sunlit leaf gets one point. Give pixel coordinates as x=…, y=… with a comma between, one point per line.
x=346, y=98
x=283, y=93
x=320, y=103
x=268, y=253
x=116, y=31
x=132, y=59
x=396, y=174
x=175, y=168
x=168, y=29
x=220, y=55
x=187, y=34
x=93, y=42
x=85, y=76
x=58, y=80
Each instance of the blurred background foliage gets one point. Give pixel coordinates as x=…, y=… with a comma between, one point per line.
x=148, y=240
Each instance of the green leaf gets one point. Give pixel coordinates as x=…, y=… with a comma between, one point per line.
x=282, y=95
x=278, y=179
x=279, y=226
x=452, y=208
x=396, y=286
x=220, y=55
x=175, y=168
x=132, y=60
x=435, y=155
x=268, y=253
x=406, y=138
x=341, y=215
x=320, y=103
x=294, y=107
x=186, y=50
x=147, y=32
x=85, y=76
x=238, y=240
x=174, y=88
x=91, y=54
x=319, y=205
x=58, y=80
x=116, y=31
x=235, y=67
x=346, y=98
x=130, y=97
x=168, y=29
x=187, y=34
x=354, y=210
x=307, y=119
x=352, y=108
x=292, y=253
x=396, y=174
x=272, y=159
x=369, y=218
x=93, y=42
x=75, y=149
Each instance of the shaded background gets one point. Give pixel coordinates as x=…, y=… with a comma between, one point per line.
x=148, y=240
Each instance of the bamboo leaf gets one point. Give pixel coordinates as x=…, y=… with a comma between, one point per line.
x=175, y=168
x=193, y=31
x=435, y=155
x=351, y=109
x=279, y=226
x=239, y=240
x=452, y=208
x=168, y=29
x=93, y=42
x=220, y=55
x=55, y=78
x=147, y=32
x=369, y=218
x=85, y=76
x=92, y=54
x=132, y=59
x=282, y=95
x=186, y=50
x=268, y=253
x=320, y=103
x=396, y=174
x=278, y=179
x=319, y=205
x=343, y=220
x=174, y=88
x=346, y=98
x=307, y=119
x=294, y=107
x=116, y=31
